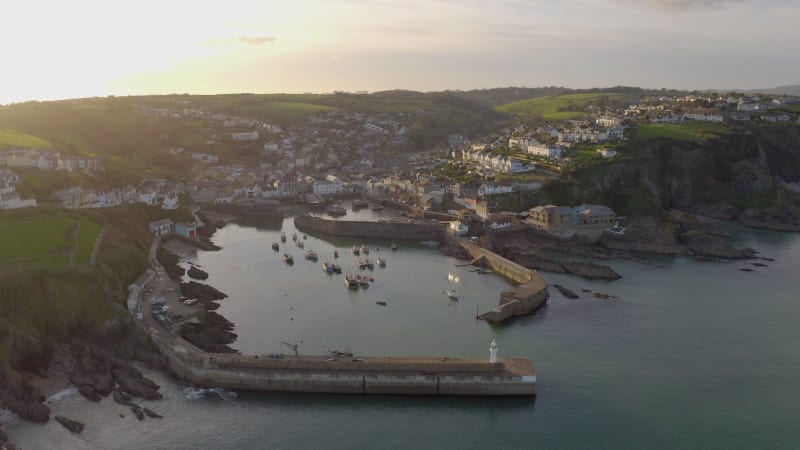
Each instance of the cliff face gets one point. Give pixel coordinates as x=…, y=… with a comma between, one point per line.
x=744, y=174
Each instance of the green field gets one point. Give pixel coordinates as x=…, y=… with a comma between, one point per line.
x=682, y=132
x=86, y=240
x=549, y=107
x=14, y=138
x=45, y=239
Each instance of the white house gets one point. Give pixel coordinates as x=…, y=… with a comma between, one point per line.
x=547, y=151
x=457, y=228
x=607, y=152
x=331, y=185
x=245, y=136
x=170, y=202
x=148, y=198
x=10, y=199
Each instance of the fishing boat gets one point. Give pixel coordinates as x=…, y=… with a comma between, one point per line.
x=370, y=265
x=288, y=259
x=336, y=210
x=363, y=282
x=381, y=262
x=377, y=206
x=350, y=281
x=305, y=237
x=362, y=264
x=364, y=249
x=394, y=247
x=283, y=236
x=294, y=236
x=337, y=268
x=381, y=302
x=327, y=267
x=300, y=244
x=276, y=246
x=311, y=255
x=335, y=253
x=355, y=250
x=369, y=277
x=451, y=294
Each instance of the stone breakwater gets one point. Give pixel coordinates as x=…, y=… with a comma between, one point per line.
x=321, y=374
x=530, y=294
x=378, y=230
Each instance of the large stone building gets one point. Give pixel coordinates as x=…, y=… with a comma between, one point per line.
x=585, y=220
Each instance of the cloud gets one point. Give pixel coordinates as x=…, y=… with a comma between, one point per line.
x=684, y=5
x=255, y=40
x=247, y=40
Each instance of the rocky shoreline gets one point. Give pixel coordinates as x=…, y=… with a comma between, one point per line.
x=675, y=234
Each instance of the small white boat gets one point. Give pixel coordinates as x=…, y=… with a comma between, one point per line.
x=451, y=294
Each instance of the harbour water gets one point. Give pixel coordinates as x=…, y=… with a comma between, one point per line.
x=695, y=355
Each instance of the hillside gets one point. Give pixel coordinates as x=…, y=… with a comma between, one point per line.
x=560, y=107
x=739, y=175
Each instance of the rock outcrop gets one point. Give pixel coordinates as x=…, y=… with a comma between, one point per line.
x=197, y=274
x=72, y=425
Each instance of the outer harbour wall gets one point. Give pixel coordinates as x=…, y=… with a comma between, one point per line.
x=395, y=376
x=380, y=230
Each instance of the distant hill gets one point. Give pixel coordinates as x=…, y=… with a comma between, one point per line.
x=560, y=107
x=793, y=89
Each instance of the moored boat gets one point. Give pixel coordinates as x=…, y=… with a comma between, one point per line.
x=394, y=247
x=370, y=265
x=377, y=206
x=337, y=268
x=305, y=237
x=294, y=236
x=355, y=250
x=311, y=255
x=381, y=302
x=362, y=264
x=283, y=236
x=300, y=244
x=350, y=281
x=327, y=267
x=451, y=294
x=335, y=253
x=431, y=243
x=359, y=204
x=336, y=210
x=381, y=262
x=364, y=249
x=288, y=259
x=276, y=246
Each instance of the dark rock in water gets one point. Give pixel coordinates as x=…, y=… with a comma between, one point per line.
x=89, y=393
x=151, y=413
x=132, y=382
x=213, y=394
x=766, y=259
x=122, y=416
x=744, y=269
x=202, y=292
x=196, y=273
x=22, y=398
x=600, y=295
x=137, y=411
x=72, y=425
x=759, y=264
x=565, y=292
x=586, y=290
x=122, y=398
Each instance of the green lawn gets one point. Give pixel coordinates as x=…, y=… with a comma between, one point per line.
x=682, y=132
x=549, y=106
x=40, y=238
x=86, y=240
x=14, y=138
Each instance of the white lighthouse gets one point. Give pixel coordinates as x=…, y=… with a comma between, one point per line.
x=493, y=352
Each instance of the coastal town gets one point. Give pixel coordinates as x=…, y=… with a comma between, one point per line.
x=334, y=153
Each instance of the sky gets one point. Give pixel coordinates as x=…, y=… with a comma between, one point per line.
x=55, y=49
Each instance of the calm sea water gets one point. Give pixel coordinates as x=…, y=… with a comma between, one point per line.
x=696, y=355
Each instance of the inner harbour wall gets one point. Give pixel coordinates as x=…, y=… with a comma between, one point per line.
x=378, y=230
